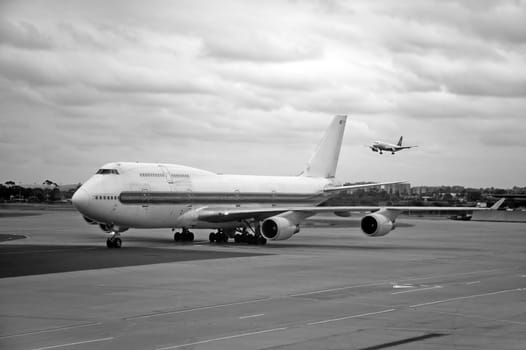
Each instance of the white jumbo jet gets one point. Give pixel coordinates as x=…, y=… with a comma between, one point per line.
x=248, y=208
x=379, y=146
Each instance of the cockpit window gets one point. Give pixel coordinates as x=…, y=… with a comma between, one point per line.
x=107, y=171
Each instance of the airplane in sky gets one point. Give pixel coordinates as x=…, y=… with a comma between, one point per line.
x=247, y=208
x=379, y=146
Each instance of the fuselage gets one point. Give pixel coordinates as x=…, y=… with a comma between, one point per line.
x=384, y=146
x=152, y=195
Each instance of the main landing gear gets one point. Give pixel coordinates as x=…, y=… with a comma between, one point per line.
x=218, y=237
x=241, y=235
x=185, y=236
x=114, y=241
x=250, y=239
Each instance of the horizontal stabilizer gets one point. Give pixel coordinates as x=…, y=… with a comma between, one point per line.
x=352, y=187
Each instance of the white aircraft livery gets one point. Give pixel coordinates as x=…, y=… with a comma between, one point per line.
x=379, y=146
x=248, y=208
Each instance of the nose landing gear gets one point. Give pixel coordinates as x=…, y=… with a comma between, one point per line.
x=114, y=241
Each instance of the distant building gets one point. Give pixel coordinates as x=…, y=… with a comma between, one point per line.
x=401, y=188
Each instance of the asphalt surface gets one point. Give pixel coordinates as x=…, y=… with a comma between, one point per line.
x=430, y=284
x=23, y=260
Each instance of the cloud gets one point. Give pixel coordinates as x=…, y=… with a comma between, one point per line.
x=163, y=81
x=24, y=35
x=260, y=46
x=500, y=22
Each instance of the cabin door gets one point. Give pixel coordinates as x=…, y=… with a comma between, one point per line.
x=145, y=196
x=167, y=176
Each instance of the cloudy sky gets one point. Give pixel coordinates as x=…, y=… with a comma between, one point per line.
x=249, y=87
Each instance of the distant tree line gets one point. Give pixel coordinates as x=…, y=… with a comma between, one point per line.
x=48, y=192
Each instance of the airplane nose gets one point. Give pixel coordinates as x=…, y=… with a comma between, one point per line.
x=80, y=199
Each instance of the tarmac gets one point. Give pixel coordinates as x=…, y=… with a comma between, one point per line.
x=429, y=284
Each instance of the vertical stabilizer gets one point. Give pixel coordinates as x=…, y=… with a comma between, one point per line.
x=325, y=158
x=400, y=141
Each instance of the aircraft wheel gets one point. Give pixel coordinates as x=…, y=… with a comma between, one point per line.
x=117, y=243
x=212, y=237
x=190, y=237
x=177, y=236
x=237, y=238
x=109, y=243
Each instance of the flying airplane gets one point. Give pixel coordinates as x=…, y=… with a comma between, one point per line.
x=247, y=208
x=379, y=146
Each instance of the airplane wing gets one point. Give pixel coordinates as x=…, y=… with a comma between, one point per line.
x=217, y=215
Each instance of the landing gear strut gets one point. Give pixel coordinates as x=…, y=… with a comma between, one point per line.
x=218, y=237
x=114, y=241
x=254, y=237
x=185, y=236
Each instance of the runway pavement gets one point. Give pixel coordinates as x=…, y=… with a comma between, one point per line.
x=430, y=284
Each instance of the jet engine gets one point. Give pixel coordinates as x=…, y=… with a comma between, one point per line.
x=278, y=228
x=376, y=225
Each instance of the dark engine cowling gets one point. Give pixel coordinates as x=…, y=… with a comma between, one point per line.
x=278, y=228
x=376, y=225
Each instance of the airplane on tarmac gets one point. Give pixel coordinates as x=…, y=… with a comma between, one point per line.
x=248, y=208
x=379, y=146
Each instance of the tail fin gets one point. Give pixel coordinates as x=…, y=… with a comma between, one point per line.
x=325, y=159
x=400, y=141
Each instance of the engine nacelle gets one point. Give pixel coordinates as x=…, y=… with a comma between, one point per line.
x=376, y=225
x=278, y=228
